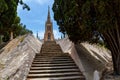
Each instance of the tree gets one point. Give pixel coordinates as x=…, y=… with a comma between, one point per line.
x=24, y=30
x=9, y=20
x=91, y=20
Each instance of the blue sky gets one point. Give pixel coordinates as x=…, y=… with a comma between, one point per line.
x=36, y=17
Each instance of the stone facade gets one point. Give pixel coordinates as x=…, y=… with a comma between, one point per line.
x=48, y=36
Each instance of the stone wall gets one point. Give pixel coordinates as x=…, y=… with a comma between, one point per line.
x=17, y=56
x=88, y=57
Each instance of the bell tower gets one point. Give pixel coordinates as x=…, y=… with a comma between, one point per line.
x=48, y=36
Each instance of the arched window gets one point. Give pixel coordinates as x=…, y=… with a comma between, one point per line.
x=49, y=36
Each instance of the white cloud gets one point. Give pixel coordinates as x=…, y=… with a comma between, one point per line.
x=40, y=34
x=56, y=34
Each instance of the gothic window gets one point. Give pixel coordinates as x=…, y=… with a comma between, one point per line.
x=49, y=36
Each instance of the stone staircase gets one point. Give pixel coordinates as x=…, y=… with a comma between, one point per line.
x=53, y=64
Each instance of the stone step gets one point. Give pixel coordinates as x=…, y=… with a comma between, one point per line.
x=47, y=62
x=42, y=65
x=53, y=64
x=60, y=58
x=53, y=71
x=53, y=48
x=51, y=51
x=53, y=54
x=52, y=61
x=50, y=55
x=50, y=42
x=54, y=67
x=53, y=58
x=50, y=46
x=60, y=78
x=54, y=74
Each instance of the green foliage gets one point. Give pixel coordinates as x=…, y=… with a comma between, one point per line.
x=25, y=6
x=9, y=21
x=3, y=6
x=94, y=21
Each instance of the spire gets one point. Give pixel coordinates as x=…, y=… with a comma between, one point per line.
x=37, y=34
x=48, y=36
x=48, y=17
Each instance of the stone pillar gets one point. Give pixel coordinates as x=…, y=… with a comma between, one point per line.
x=11, y=35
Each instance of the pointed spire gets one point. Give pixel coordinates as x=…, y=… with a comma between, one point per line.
x=48, y=17
x=37, y=34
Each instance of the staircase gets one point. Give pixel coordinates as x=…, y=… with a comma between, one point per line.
x=53, y=64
